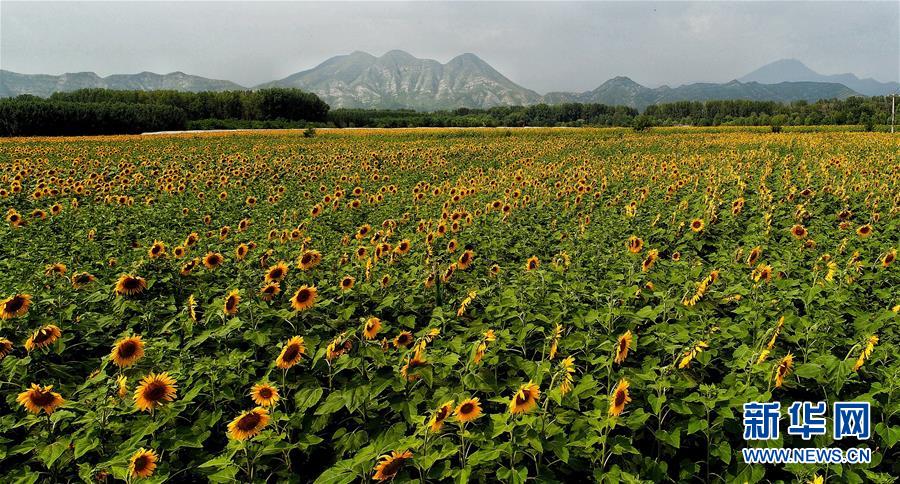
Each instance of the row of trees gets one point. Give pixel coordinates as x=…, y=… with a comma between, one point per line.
x=102, y=111
x=30, y=116
x=854, y=110
x=260, y=105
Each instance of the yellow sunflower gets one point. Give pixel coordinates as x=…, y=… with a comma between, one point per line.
x=6, y=347
x=468, y=410
x=248, y=424
x=291, y=354
x=38, y=398
x=440, y=415
x=130, y=285
x=15, y=306
x=230, y=306
x=213, y=260
x=154, y=390
x=143, y=463
x=43, y=337
x=373, y=325
x=525, y=399
x=347, y=283
x=304, y=298
x=277, y=272
x=127, y=352
x=264, y=394
x=619, y=398
x=623, y=345
x=269, y=291
x=532, y=263
x=389, y=465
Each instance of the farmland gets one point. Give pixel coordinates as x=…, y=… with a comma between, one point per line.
x=552, y=305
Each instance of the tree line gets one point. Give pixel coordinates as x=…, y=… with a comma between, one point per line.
x=107, y=111
x=104, y=111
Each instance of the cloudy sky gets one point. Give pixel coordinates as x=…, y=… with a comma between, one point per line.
x=541, y=45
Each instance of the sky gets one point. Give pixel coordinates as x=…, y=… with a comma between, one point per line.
x=545, y=46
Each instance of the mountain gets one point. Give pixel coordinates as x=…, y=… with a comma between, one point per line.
x=792, y=70
x=399, y=80
x=14, y=84
x=624, y=91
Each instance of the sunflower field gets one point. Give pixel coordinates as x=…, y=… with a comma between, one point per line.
x=568, y=305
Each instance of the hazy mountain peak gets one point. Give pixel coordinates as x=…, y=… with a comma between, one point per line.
x=793, y=70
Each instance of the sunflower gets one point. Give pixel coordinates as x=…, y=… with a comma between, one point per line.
x=15, y=306
x=241, y=251
x=43, y=338
x=157, y=250
x=389, y=465
x=754, y=255
x=465, y=260
x=269, y=291
x=619, y=398
x=864, y=230
x=408, y=371
x=230, y=306
x=127, y=352
x=635, y=244
x=623, y=345
x=889, y=258
x=143, y=463
x=179, y=251
x=57, y=269
x=468, y=410
x=403, y=340
x=39, y=398
x=532, y=263
x=81, y=279
x=697, y=224
x=264, y=394
x=799, y=231
x=783, y=368
x=309, y=260
x=304, y=298
x=440, y=415
x=212, y=260
x=130, y=285
x=291, y=353
x=403, y=247
x=373, y=325
x=154, y=390
x=6, y=347
x=494, y=270
x=525, y=399
x=347, y=283
x=248, y=424
x=277, y=272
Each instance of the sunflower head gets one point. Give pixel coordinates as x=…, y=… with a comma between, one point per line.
x=248, y=424
x=230, y=306
x=264, y=394
x=127, y=351
x=532, y=263
x=440, y=415
x=525, y=399
x=389, y=465
x=347, y=283
x=304, y=298
x=143, y=463
x=130, y=285
x=371, y=328
x=43, y=337
x=15, y=306
x=277, y=272
x=468, y=410
x=291, y=354
x=38, y=398
x=154, y=390
x=619, y=398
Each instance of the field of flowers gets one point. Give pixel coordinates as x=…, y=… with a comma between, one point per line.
x=438, y=305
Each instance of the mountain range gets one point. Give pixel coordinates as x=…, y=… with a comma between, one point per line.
x=399, y=80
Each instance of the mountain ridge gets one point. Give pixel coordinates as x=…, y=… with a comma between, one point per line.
x=397, y=79
x=793, y=70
